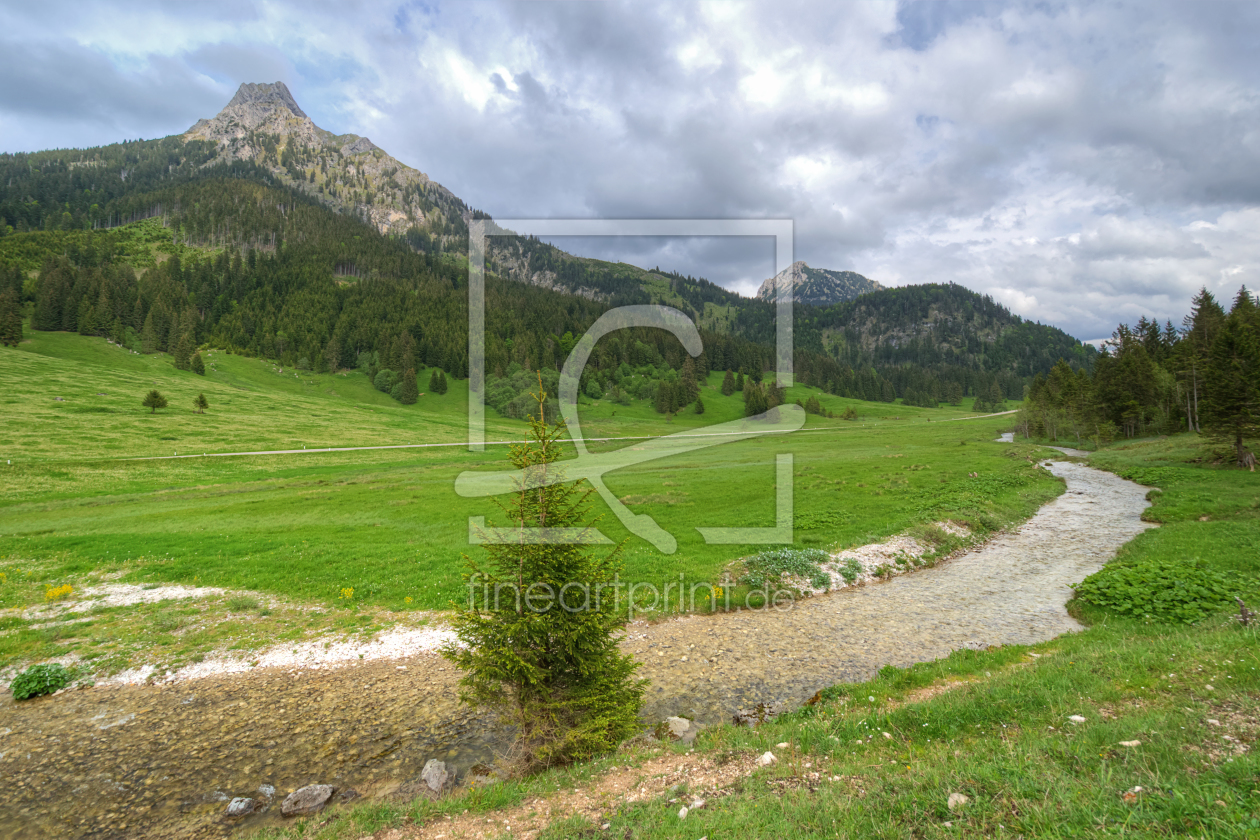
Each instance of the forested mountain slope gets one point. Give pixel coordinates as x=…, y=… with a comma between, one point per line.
x=261, y=233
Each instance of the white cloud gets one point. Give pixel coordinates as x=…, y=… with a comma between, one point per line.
x=1081, y=163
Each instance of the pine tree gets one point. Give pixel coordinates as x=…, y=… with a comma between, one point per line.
x=690, y=390
x=332, y=355
x=408, y=393
x=1201, y=326
x=182, y=351
x=997, y=402
x=728, y=384
x=148, y=335
x=153, y=401
x=435, y=382
x=1231, y=393
x=754, y=400
x=201, y=403
x=443, y=385
x=547, y=660
x=10, y=319
x=739, y=381
x=699, y=406
x=197, y=365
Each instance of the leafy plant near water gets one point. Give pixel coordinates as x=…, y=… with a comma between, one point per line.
x=769, y=568
x=851, y=570
x=39, y=680
x=1185, y=591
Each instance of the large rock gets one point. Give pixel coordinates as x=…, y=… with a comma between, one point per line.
x=434, y=775
x=241, y=807
x=307, y=800
x=681, y=729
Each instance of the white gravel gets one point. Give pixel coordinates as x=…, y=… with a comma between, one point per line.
x=873, y=556
x=398, y=643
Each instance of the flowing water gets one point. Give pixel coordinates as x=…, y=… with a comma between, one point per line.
x=142, y=761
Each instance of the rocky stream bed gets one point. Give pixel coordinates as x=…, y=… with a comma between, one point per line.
x=164, y=761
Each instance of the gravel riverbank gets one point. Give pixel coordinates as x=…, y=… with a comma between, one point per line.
x=162, y=761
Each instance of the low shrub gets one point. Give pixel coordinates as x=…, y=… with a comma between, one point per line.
x=851, y=570
x=39, y=680
x=770, y=567
x=1185, y=591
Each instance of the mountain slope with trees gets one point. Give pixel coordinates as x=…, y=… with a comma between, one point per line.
x=263, y=234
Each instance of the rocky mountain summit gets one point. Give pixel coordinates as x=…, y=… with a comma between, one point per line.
x=264, y=124
x=819, y=286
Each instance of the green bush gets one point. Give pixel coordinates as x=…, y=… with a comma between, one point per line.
x=769, y=567
x=1185, y=590
x=38, y=680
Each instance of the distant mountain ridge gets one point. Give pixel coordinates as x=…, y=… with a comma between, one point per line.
x=301, y=223
x=818, y=286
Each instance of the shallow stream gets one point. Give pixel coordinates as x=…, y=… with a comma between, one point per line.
x=162, y=761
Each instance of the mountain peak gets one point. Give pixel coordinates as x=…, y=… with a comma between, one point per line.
x=265, y=97
x=819, y=286
x=267, y=107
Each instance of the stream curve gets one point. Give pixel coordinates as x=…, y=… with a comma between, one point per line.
x=162, y=761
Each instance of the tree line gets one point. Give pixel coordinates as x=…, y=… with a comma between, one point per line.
x=1152, y=379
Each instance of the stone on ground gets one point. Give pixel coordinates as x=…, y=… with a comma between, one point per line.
x=307, y=800
x=435, y=775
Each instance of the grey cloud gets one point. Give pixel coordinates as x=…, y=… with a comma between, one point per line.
x=1063, y=157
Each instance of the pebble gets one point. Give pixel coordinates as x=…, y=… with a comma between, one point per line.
x=957, y=801
x=766, y=759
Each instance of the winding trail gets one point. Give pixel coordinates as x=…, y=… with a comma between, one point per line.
x=161, y=761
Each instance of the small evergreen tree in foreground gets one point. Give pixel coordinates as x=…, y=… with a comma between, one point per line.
x=153, y=401
x=198, y=366
x=537, y=635
x=201, y=403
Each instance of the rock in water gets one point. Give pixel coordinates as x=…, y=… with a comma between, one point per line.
x=306, y=800
x=241, y=807
x=434, y=775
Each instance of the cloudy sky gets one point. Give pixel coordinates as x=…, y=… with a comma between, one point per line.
x=1082, y=163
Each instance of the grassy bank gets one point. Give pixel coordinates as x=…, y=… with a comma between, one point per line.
x=77, y=508
x=1166, y=744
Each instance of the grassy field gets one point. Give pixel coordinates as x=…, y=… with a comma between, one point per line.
x=1167, y=746
x=83, y=499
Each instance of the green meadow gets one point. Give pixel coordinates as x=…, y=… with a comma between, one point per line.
x=1135, y=727
x=90, y=490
